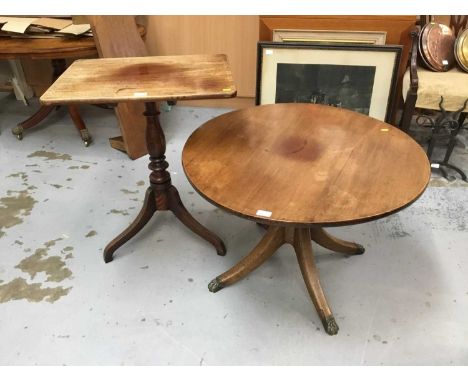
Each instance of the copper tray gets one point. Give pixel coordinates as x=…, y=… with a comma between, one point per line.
x=420, y=48
x=461, y=50
x=437, y=44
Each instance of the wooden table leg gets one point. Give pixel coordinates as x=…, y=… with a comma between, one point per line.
x=79, y=124
x=161, y=195
x=271, y=241
x=59, y=66
x=179, y=210
x=305, y=257
x=32, y=121
x=323, y=238
x=146, y=212
x=301, y=240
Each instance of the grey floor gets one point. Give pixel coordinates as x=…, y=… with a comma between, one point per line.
x=405, y=301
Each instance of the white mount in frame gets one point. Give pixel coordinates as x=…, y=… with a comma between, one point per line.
x=356, y=77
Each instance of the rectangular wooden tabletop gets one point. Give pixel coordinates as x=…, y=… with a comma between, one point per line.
x=110, y=80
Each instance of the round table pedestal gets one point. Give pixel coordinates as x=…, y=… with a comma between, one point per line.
x=300, y=239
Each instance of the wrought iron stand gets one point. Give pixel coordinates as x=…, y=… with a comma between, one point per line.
x=445, y=125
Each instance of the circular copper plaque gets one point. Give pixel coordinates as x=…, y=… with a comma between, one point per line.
x=461, y=50
x=437, y=43
x=420, y=47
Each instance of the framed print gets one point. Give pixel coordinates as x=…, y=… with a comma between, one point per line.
x=356, y=77
x=330, y=36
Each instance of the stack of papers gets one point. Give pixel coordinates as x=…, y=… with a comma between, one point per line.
x=42, y=27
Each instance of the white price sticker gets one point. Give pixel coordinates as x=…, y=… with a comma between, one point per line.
x=435, y=165
x=263, y=213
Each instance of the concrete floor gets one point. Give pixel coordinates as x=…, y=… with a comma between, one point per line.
x=405, y=301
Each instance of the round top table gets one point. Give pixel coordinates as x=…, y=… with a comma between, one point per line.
x=298, y=168
x=51, y=48
x=44, y=48
x=305, y=164
x=58, y=50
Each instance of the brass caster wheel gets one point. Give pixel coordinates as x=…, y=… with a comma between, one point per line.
x=86, y=137
x=18, y=132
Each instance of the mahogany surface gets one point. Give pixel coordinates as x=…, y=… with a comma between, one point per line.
x=306, y=164
x=148, y=79
x=57, y=49
x=43, y=48
x=59, y=65
x=161, y=195
x=162, y=78
x=118, y=36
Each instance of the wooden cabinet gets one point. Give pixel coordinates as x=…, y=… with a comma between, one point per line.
x=235, y=36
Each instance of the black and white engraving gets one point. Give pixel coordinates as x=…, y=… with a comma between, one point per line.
x=344, y=86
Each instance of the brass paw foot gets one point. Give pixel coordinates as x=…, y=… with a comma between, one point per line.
x=215, y=285
x=360, y=249
x=330, y=325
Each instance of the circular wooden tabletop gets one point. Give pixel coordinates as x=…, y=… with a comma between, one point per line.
x=51, y=48
x=42, y=48
x=304, y=164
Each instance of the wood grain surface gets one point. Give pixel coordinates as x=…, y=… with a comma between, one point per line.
x=143, y=79
x=235, y=36
x=306, y=164
x=42, y=48
x=118, y=36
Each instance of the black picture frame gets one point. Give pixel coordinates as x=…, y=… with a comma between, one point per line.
x=390, y=55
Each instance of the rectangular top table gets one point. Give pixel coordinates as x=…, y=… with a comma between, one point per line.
x=161, y=78
x=148, y=80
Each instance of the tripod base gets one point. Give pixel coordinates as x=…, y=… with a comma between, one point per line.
x=163, y=200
